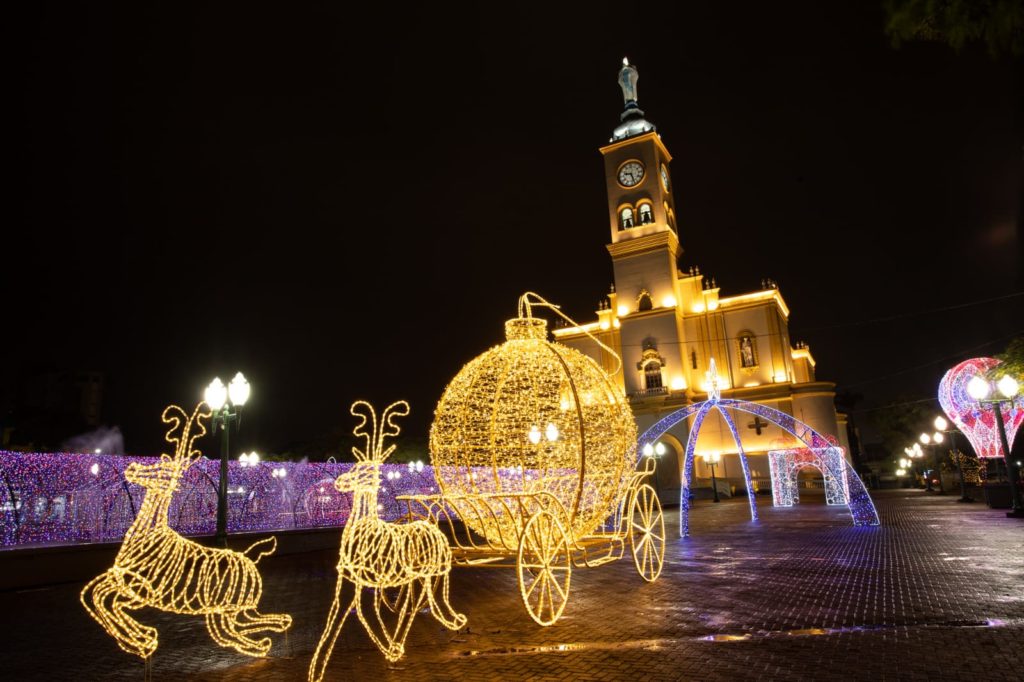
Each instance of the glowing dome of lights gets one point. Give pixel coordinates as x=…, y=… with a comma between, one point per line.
x=531, y=416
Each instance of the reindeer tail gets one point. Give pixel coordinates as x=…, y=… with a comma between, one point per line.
x=264, y=547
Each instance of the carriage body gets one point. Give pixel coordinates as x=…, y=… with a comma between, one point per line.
x=535, y=454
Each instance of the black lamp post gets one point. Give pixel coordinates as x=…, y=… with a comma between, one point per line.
x=941, y=427
x=979, y=389
x=915, y=453
x=655, y=452
x=934, y=440
x=221, y=400
x=712, y=459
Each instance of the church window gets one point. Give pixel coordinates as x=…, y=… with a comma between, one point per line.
x=693, y=359
x=643, y=301
x=747, y=350
x=646, y=214
x=626, y=218
x=651, y=364
x=652, y=375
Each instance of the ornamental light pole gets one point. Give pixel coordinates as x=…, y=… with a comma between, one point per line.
x=221, y=400
x=941, y=426
x=655, y=451
x=934, y=440
x=712, y=459
x=979, y=388
x=914, y=452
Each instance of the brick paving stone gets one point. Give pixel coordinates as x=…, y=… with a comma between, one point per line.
x=934, y=593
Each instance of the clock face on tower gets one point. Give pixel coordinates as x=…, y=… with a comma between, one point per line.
x=664, y=177
x=631, y=173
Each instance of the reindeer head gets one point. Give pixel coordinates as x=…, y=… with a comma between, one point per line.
x=164, y=475
x=365, y=473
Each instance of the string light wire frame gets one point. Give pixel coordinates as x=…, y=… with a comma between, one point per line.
x=534, y=450
x=158, y=568
x=402, y=567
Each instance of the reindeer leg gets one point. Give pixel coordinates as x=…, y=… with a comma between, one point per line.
x=103, y=600
x=224, y=630
x=250, y=621
x=345, y=597
x=440, y=607
x=414, y=600
x=380, y=634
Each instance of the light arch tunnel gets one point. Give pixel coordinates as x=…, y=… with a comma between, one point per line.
x=862, y=509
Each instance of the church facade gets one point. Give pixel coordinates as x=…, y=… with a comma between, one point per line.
x=671, y=325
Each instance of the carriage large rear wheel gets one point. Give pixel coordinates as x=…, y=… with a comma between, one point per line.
x=545, y=566
x=647, y=533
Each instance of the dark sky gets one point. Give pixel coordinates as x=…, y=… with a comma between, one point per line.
x=347, y=207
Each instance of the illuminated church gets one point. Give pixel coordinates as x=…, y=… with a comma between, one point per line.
x=671, y=324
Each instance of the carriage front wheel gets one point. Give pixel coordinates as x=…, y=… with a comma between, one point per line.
x=545, y=566
x=647, y=533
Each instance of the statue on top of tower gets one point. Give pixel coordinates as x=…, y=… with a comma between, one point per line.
x=633, y=122
x=628, y=77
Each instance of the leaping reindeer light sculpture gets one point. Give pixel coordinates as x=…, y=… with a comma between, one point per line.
x=377, y=555
x=157, y=567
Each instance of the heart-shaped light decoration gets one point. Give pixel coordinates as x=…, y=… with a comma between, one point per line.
x=976, y=421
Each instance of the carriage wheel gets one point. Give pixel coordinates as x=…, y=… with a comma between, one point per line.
x=647, y=533
x=545, y=566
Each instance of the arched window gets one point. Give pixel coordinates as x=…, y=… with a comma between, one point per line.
x=693, y=359
x=626, y=218
x=747, y=350
x=652, y=375
x=643, y=301
x=646, y=214
x=651, y=364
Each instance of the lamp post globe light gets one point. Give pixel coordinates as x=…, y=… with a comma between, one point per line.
x=934, y=440
x=223, y=400
x=914, y=452
x=657, y=451
x=712, y=459
x=980, y=389
x=942, y=426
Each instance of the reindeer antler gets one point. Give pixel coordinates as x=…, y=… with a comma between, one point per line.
x=182, y=441
x=177, y=418
x=388, y=428
x=367, y=415
x=202, y=411
x=375, y=436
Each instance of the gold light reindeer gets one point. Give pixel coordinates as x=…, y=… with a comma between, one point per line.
x=413, y=558
x=157, y=567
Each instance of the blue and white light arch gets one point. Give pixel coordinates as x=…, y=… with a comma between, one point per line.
x=862, y=509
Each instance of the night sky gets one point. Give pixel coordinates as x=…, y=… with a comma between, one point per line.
x=344, y=207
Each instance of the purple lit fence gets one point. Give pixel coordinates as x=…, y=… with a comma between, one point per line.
x=70, y=498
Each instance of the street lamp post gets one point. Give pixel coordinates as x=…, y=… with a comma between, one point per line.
x=979, y=389
x=712, y=459
x=934, y=440
x=655, y=451
x=941, y=427
x=915, y=453
x=221, y=400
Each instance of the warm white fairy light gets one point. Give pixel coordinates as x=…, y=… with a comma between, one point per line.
x=412, y=559
x=156, y=567
x=534, y=447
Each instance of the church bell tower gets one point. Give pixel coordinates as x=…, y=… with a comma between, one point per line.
x=641, y=211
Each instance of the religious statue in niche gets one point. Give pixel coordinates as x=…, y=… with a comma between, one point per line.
x=747, y=356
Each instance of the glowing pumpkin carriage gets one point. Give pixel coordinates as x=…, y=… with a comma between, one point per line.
x=534, y=451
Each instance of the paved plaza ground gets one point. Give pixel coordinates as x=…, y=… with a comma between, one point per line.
x=936, y=592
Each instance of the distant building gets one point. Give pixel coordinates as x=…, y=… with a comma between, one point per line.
x=668, y=321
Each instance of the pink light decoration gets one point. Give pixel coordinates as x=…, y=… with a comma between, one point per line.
x=977, y=422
